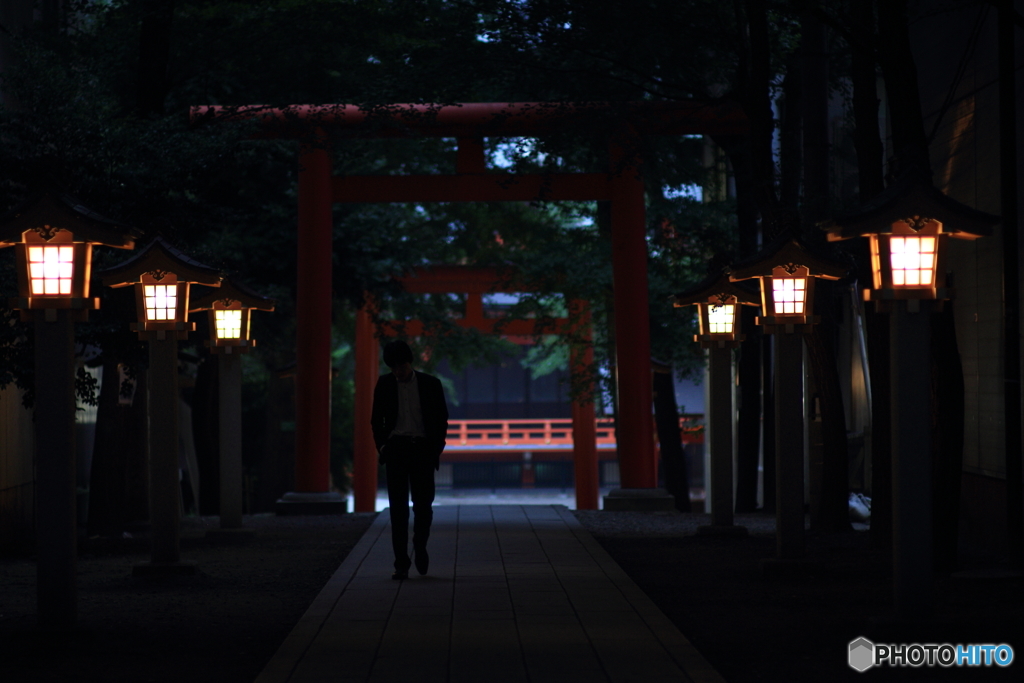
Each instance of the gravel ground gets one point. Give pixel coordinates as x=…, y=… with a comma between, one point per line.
x=603, y=524
x=220, y=626
x=796, y=624
x=224, y=624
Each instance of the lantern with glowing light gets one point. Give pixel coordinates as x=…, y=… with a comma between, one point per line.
x=718, y=303
x=54, y=235
x=908, y=225
x=161, y=275
x=787, y=270
x=230, y=309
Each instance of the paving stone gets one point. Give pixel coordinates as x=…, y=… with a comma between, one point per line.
x=515, y=594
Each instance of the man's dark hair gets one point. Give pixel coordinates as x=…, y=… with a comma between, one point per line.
x=397, y=352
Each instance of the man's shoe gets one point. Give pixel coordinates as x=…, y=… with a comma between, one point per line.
x=403, y=573
x=422, y=561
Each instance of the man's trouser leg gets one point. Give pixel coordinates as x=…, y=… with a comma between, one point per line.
x=421, y=480
x=398, y=500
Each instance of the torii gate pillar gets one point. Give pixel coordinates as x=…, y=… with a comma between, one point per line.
x=312, y=493
x=634, y=428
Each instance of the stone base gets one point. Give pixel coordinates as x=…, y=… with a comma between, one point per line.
x=239, y=535
x=161, y=569
x=295, y=503
x=639, y=500
x=728, y=531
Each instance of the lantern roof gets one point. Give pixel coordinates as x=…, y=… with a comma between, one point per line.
x=52, y=209
x=909, y=199
x=232, y=290
x=788, y=251
x=716, y=283
x=159, y=255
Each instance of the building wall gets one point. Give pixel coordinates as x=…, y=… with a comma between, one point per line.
x=965, y=158
x=505, y=390
x=17, y=476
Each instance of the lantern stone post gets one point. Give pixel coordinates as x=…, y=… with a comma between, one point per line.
x=54, y=235
x=230, y=308
x=909, y=225
x=161, y=276
x=718, y=303
x=787, y=271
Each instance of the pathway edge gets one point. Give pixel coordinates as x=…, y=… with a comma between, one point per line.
x=281, y=666
x=679, y=647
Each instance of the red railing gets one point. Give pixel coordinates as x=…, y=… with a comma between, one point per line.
x=538, y=434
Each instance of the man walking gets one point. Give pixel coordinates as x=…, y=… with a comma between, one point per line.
x=410, y=426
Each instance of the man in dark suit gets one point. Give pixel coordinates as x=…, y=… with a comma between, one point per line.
x=410, y=426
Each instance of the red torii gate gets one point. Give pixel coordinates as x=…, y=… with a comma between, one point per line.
x=474, y=282
x=469, y=123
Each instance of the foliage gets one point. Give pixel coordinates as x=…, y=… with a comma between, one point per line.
x=228, y=199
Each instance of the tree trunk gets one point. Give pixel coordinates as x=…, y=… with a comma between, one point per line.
x=830, y=513
x=748, y=432
x=119, y=480
x=666, y=419
x=206, y=431
x=758, y=106
x=867, y=140
x=871, y=173
x=154, y=56
x=908, y=137
x=790, y=151
x=748, y=436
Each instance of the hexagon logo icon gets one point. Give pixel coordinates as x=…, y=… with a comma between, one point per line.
x=862, y=654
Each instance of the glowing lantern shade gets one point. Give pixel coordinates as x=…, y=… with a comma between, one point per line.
x=54, y=235
x=787, y=270
x=908, y=225
x=161, y=276
x=51, y=268
x=721, y=317
x=227, y=324
x=718, y=304
x=230, y=309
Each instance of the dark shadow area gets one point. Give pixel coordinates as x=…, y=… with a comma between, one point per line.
x=798, y=627
x=220, y=626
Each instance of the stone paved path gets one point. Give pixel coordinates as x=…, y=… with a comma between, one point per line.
x=515, y=593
